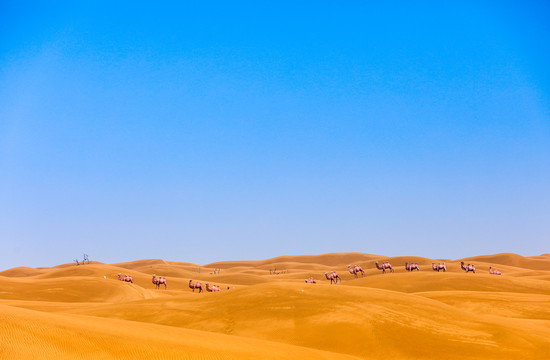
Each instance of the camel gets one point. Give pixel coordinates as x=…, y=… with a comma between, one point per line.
x=469, y=267
x=359, y=269
x=385, y=265
x=440, y=266
x=311, y=281
x=333, y=277
x=159, y=280
x=195, y=285
x=212, y=288
x=412, y=266
x=494, y=272
x=125, y=278
x=355, y=270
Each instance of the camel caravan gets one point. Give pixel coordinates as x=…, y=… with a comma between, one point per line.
x=332, y=276
x=125, y=278
x=385, y=265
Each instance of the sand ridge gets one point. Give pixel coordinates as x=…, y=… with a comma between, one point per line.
x=266, y=310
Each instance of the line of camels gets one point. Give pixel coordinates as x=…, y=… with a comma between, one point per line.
x=158, y=281
x=332, y=276
x=193, y=285
x=355, y=270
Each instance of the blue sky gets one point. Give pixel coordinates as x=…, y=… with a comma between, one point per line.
x=224, y=131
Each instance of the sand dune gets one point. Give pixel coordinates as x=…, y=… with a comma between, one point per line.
x=82, y=312
x=535, y=263
x=22, y=271
x=331, y=259
x=27, y=334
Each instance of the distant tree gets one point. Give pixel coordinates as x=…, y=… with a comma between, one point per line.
x=83, y=262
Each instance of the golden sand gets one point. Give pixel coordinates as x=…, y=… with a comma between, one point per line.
x=85, y=312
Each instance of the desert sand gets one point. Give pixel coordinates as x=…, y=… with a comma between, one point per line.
x=265, y=310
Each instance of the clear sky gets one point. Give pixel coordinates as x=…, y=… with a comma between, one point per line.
x=214, y=131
